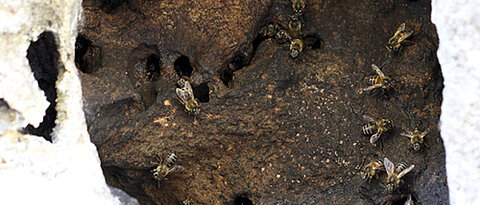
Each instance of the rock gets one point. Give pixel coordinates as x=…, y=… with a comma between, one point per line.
x=274, y=130
x=37, y=39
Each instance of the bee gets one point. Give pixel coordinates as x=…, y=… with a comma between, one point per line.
x=409, y=200
x=416, y=138
x=296, y=47
x=394, y=175
x=282, y=36
x=376, y=127
x=269, y=30
x=186, y=97
x=295, y=27
x=400, y=35
x=162, y=170
x=298, y=6
x=370, y=169
x=378, y=81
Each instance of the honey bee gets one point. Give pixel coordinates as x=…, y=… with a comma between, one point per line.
x=409, y=200
x=376, y=127
x=370, y=169
x=416, y=138
x=378, y=81
x=298, y=6
x=186, y=97
x=269, y=30
x=295, y=27
x=166, y=168
x=282, y=36
x=400, y=35
x=394, y=175
x=296, y=47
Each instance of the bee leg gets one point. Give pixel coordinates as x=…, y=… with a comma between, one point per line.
x=159, y=158
x=381, y=145
x=408, y=42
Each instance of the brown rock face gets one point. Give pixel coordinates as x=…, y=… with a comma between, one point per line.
x=272, y=129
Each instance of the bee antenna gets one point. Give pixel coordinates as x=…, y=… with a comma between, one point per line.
x=361, y=164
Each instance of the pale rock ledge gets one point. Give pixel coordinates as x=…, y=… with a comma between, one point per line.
x=33, y=170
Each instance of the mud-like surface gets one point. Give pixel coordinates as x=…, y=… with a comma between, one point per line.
x=283, y=131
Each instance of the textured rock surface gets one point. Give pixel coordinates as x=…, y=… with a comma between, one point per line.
x=458, y=28
x=284, y=131
x=32, y=169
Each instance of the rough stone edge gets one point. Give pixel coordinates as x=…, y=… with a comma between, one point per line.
x=33, y=170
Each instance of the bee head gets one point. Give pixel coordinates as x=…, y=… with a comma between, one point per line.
x=271, y=29
x=391, y=187
x=364, y=175
x=387, y=123
x=196, y=110
x=298, y=7
x=156, y=175
x=390, y=48
x=294, y=52
x=416, y=146
x=281, y=34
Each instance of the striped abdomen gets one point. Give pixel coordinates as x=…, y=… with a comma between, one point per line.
x=370, y=128
x=400, y=167
x=374, y=80
x=171, y=160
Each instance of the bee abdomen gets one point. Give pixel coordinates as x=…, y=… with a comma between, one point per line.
x=369, y=129
x=171, y=159
x=372, y=80
x=400, y=167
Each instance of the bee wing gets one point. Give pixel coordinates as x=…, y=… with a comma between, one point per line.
x=389, y=166
x=378, y=71
x=409, y=200
x=188, y=87
x=185, y=93
x=368, y=118
x=405, y=171
x=372, y=87
x=400, y=28
x=375, y=137
x=182, y=95
x=176, y=168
